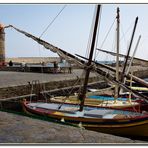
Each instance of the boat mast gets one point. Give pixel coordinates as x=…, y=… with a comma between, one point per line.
x=128, y=52
x=127, y=56
x=117, y=54
x=130, y=64
x=82, y=94
x=131, y=61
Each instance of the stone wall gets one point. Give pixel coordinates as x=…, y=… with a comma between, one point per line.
x=141, y=73
x=26, y=89
x=33, y=59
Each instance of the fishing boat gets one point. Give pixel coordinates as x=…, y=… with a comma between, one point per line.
x=117, y=122
x=107, y=101
x=102, y=101
x=113, y=121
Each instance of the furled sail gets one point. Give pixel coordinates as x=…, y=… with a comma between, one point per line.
x=121, y=55
x=136, y=79
x=49, y=46
x=69, y=56
x=112, y=78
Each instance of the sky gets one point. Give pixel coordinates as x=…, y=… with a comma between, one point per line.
x=70, y=30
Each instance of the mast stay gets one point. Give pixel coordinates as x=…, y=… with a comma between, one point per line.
x=81, y=62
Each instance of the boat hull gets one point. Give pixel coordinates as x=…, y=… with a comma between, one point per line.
x=122, y=126
x=120, y=104
x=135, y=130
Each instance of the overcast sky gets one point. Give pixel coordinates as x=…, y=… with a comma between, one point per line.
x=70, y=30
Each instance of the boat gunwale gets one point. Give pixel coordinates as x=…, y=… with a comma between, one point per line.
x=93, y=120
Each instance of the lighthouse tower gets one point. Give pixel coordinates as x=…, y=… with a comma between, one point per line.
x=2, y=45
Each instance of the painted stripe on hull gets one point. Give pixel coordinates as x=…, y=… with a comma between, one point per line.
x=135, y=127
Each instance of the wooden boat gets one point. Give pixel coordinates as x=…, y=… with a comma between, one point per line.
x=134, y=86
x=133, y=102
x=126, y=97
x=118, y=122
x=101, y=101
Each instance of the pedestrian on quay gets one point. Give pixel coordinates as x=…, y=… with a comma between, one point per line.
x=55, y=65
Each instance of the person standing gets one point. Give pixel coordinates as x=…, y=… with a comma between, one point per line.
x=55, y=65
x=10, y=63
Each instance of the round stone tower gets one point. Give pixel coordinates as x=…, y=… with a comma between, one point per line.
x=2, y=45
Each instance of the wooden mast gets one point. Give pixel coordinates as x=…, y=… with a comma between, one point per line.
x=82, y=62
x=117, y=55
x=125, y=64
x=82, y=94
x=131, y=61
x=128, y=52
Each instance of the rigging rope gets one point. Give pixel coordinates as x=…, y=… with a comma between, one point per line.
x=114, y=45
x=81, y=62
x=90, y=38
x=126, y=30
x=52, y=21
x=105, y=37
x=42, y=84
x=97, y=36
x=91, y=34
x=123, y=35
x=107, y=33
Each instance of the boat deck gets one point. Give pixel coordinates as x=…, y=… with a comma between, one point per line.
x=73, y=110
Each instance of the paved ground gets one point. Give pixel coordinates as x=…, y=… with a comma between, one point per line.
x=20, y=129
x=8, y=78
x=22, y=78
